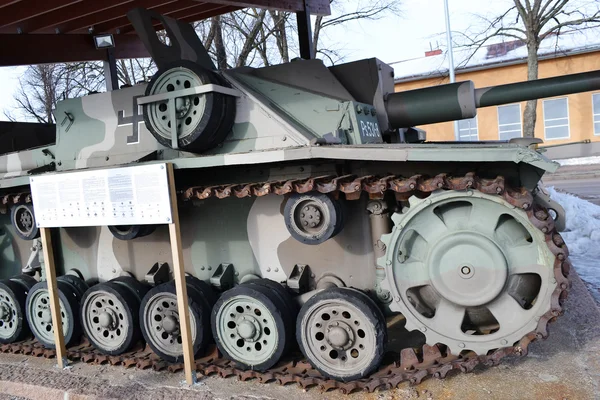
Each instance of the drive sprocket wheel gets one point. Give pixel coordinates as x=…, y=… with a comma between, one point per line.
x=469, y=270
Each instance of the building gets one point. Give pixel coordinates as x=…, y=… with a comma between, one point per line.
x=566, y=119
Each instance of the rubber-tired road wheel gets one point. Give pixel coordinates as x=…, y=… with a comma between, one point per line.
x=130, y=232
x=312, y=218
x=342, y=333
x=249, y=326
x=77, y=283
x=22, y=218
x=39, y=316
x=13, y=326
x=137, y=288
x=289, y=306
x=198, y=116
x=109, y=315
x=159, y=319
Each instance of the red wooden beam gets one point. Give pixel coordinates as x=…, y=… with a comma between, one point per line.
x=51, y=19
x=84, y=23
x=166, y=9
x=4, y=3
x=188, y=17
x=22, y=11
x=40, y=48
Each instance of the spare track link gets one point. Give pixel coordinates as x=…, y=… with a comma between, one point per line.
x=412, y=365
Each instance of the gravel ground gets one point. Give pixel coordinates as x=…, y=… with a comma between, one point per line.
x=565, y=366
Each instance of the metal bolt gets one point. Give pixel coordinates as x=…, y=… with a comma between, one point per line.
x=388, y=262
x=504, y=342
x=461, y=345
x=209, y=268
x=563, y=286
x=284, y=138
x=397, y=298
x=276, y=269
x=268, y=269
x=423, y=329
x=525, y=206
x=237, y=273
x=202, y=268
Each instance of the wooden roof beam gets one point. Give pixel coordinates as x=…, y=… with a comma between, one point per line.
x=51, y=19
x=189, y=15
x=84, y=23
x=20, y=11
x=123, y=23
x=17, y=49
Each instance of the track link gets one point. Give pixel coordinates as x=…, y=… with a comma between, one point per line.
x=412, y=365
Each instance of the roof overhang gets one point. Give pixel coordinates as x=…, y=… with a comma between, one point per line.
x=45, y=31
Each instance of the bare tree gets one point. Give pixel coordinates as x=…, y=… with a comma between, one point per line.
x=531, y=21
x=42, y=86
x=257, y=37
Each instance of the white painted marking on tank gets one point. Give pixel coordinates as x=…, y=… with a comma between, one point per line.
x=265, y=223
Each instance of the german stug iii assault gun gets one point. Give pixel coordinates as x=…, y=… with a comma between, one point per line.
x=317, y=223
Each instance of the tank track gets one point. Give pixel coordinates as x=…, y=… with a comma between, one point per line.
x=411, y=364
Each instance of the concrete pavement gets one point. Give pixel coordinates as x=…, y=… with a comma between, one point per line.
x=580, y=180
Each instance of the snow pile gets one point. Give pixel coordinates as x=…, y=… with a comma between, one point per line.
x=582, y=236
x=580, y=161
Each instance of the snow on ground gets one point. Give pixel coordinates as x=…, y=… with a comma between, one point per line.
x=580, y=161
x=582, y=236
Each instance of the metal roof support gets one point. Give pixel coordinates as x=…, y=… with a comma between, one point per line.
x=110, y=71
x=305, y=33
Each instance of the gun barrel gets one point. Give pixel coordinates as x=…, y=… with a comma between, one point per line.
x=460, y=100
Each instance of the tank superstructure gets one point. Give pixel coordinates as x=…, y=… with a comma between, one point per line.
x=300, y=184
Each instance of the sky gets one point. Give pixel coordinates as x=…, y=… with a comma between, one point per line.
x=418, y=27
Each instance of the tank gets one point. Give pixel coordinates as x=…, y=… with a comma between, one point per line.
x=318, y=224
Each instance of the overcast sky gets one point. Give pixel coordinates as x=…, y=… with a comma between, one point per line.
x=419, y=25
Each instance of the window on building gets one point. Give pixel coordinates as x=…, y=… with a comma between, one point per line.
x=467, y=129
x=509, y=121
x=596, y=104
x=556, y=119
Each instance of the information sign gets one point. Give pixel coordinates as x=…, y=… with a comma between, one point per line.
x=137, y=195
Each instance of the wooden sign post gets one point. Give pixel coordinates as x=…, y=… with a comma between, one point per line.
x=142, y=194
x=180, y=287
x=49, y=267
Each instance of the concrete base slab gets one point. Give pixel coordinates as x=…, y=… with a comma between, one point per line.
x=565, y=366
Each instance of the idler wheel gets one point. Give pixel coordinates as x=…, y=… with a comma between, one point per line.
x=342, y=333
x=39, y=316
x=203, y=120
x=109, y=315
x=249, y=326
x=159, y=318
x=12, y=312
x=312, y=218
x=23, y=220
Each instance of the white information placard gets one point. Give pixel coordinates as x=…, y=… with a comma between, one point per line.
x=136, y=195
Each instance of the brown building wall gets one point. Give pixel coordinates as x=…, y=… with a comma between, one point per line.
x=579, y=105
